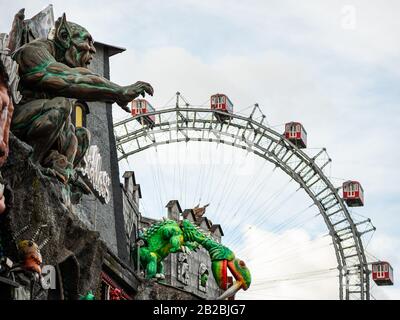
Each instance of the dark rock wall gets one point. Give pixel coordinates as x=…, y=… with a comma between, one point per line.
x=40, y=200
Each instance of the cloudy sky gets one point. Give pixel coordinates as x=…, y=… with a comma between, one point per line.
x=333, y=65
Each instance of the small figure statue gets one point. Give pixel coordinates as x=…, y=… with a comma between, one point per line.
x=28, y=270
x=29, y=252
x=203, y=277
x=183, y=268
x=30, y=256
x=53, y=70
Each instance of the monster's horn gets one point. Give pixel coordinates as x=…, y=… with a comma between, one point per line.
x=231, y=291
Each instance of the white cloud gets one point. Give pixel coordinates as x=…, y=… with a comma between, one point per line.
x=321, y=26
x=294, y=267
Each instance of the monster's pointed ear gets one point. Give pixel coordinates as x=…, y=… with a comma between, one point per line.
x=63, y=32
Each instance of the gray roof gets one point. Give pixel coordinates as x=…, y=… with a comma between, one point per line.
x=215, y=227
x=112, y=50
x=171, y=203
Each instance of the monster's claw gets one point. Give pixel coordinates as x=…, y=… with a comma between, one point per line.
x=125, y=108
x=150, y=90
x=184, y=249
x=160, y=276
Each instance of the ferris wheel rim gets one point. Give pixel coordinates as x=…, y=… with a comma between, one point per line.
x=181, y=124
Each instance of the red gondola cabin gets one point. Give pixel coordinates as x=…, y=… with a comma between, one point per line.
x=353, y=194
x=295, y=133
x=221, y=102
x=142, y=106
x=382, y=273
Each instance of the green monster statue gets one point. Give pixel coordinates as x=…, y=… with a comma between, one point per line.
x=51, y=71
x=170, y=236
x=161, y=239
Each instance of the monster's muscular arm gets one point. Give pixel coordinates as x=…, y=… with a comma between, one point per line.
x=40, y=70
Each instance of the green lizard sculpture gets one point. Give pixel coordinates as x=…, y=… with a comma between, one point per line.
x=169, y=236
x=160, y=240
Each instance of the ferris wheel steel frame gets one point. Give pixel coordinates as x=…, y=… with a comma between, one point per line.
x=191, y=124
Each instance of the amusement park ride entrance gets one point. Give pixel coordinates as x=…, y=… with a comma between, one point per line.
x=244, y=132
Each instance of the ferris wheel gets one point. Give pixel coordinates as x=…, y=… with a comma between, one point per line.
x=216, y=122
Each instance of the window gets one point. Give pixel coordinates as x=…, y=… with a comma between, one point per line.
x=81, y=110
x=293, y=131
x=139, y=106
x=351, y=190
x=78, y=116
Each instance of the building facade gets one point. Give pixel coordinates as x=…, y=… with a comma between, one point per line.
x=107, y=218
